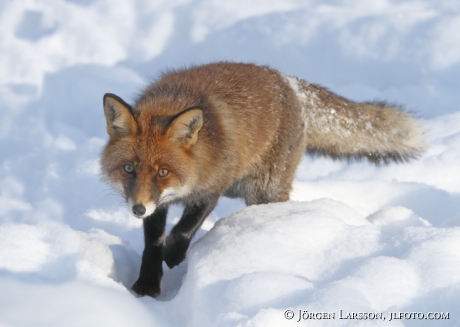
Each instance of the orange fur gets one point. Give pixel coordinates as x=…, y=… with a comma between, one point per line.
x=238, y=130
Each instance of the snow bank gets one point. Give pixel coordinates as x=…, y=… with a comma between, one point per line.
x=320, y=256
x=71, y=304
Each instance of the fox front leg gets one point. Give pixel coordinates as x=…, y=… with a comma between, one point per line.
x=178, y=240
x=149, y=281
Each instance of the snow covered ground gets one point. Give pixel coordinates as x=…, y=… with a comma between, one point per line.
x=354, y=239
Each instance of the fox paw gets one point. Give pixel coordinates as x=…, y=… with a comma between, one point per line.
x=142, y=289
x=174, y=250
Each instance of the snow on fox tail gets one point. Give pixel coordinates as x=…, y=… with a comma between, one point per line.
x=340, y=128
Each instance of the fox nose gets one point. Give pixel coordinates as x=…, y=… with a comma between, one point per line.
x=138, y=210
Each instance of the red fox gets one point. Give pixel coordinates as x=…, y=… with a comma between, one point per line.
x=237, y=130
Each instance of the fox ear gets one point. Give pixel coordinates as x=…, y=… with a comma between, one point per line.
x=185, y=127
x=120, y=120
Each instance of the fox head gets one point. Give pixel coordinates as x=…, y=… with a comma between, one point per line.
x=149, y=158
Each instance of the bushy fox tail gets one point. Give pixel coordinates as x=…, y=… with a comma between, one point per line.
x=343, y=129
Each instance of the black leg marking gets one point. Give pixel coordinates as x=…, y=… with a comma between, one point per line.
x=149, y=281
x=178, y=240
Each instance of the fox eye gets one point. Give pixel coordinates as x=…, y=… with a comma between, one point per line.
x=163, y=172
x=128, y=168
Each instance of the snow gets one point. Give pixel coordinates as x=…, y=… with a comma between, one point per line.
x=353, y=238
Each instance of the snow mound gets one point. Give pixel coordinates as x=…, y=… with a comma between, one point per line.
x=320, y=256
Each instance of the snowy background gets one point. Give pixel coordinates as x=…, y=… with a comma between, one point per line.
x=355, y=237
